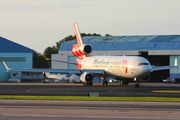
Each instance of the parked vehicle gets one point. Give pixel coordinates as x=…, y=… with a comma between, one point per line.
x=176, y=80
x=168, y=80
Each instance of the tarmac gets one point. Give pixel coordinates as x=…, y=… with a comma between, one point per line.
x=70, y=89
x=88, y=110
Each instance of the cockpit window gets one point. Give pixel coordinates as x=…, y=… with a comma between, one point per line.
x=140, y=64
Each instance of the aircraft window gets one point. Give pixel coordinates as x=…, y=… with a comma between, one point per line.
x=140, y=64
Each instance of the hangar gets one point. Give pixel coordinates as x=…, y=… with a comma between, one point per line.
x=160, y=50
x=15, y=55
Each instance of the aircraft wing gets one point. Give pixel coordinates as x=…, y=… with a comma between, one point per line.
x=75, y=71
x=155, y=68
x=65, y=71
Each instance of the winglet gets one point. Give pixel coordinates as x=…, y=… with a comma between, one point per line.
x=78, y=35
x=6, y=66
x=175, y=62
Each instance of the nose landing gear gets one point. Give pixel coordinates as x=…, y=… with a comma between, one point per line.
x=137, y=83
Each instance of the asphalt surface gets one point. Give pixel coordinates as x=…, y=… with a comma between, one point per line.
x=113, y=90
x=87, y=110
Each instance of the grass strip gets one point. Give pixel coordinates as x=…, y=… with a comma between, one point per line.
x=86, y=98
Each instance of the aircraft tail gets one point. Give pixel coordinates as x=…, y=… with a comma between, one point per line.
x=78, y=35
x=47, y=74
x=6, y=66
x=81, y=50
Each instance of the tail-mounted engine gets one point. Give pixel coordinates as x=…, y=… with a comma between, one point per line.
x=81, y=50
x=86, y=77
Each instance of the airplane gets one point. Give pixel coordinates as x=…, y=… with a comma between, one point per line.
x=118, y=67
x=121, y=68
x=73, y=78
x=55, y=77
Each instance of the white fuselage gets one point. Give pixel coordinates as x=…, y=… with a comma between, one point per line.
x=119, y=66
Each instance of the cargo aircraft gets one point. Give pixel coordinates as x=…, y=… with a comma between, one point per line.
x=118, y=67
x=121, y=68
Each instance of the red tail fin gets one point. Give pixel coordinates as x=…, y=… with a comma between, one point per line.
x=78, y=35
x=81, y=50
x=78, y=49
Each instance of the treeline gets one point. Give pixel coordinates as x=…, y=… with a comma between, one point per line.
x=40, y=60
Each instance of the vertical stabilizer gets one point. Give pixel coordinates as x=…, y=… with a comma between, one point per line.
x=6, y=66
x=78, y=35
x=81, y=50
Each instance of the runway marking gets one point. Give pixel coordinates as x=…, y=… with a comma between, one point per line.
x=100, y=117
x=166, y=91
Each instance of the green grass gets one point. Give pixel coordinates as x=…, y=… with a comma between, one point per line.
x=86, y=98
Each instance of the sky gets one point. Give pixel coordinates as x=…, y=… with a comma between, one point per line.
x=38, y=24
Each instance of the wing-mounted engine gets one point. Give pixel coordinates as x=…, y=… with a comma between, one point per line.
x=84, y=49
x=146, y=78
x=87, y=78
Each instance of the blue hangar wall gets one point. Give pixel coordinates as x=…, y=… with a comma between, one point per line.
x=15, y=56
x=153, y=45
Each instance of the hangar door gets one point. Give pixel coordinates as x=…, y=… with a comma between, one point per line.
x=157, y=60
x=72, y=59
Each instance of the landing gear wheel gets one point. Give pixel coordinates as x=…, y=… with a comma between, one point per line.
x=90, y=84
x=126, y=83
x=137, y=85
x=106, y=82
x=85, y=84
x=102, y=83
x=121, y=82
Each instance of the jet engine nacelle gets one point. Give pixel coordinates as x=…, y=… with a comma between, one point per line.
x=81, y=50
x=86, y=77
x=146, y=78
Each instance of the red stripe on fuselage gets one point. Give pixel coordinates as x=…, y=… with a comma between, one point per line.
x=126, y=69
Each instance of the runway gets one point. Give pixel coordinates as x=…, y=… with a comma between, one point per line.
x=87, y=110
x=69, y=89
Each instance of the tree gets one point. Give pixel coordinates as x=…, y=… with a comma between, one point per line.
x=48, y=51
x=68, y=38
x=73, y=37
x=39, y=61
x=108, y=35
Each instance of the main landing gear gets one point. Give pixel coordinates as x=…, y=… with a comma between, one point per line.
x=104, y=82
x=88, y=84
x=123, y=82
x=137, y=83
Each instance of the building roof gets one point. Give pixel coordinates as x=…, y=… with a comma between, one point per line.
x=150, y=42
x=146, y=38
x=7, y=46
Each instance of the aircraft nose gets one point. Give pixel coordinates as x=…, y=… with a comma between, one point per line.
x=146, y=70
